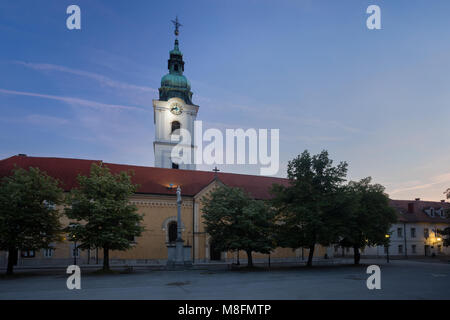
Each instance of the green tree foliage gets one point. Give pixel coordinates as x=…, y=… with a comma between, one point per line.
x=104, y=217
x=309, y=209
x=446, y=236
x=235, y=221
x=367, y=218
x=28, y=217
x=446, y=232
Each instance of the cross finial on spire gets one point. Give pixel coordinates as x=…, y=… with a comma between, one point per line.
x=177, y=25
x=215, y=171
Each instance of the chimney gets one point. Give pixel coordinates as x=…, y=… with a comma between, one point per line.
x=411, y=207
x=417, y=199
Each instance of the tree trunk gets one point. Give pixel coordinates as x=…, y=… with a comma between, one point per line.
x=105, y=259
x=11, y=259
x=250, y=259
x=310, y=255
x=356, y=255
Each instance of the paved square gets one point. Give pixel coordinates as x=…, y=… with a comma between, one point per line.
x=399, y=280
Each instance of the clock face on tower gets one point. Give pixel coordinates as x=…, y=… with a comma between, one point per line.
x=176, y=108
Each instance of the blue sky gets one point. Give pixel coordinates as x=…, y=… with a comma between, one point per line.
x=378, y=99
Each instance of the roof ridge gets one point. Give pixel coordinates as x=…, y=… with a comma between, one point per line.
x=142, y=166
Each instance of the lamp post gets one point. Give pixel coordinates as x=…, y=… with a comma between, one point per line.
x=387, y=236
x=438, y=239
x=75, y=251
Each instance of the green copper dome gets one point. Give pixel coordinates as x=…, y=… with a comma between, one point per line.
x=175, y=81
x=175, y=84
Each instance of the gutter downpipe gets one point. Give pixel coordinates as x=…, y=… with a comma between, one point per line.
x=193, y=230
x=406, y=247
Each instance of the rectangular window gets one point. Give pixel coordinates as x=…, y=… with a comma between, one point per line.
x=132, y=239
x=400, y=249
x=425, y=233
x=385, y=250
x=413, y=232
x=413, y=248
x=48, y=253
x=399, y=232
x=27, y=253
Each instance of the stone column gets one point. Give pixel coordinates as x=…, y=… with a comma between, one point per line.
x=179, y=258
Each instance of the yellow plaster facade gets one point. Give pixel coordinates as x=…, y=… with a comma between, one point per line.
x=151, y=247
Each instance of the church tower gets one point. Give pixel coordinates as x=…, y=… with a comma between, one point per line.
x=174, y=110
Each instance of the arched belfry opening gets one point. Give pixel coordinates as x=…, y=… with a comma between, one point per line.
x=175, y=126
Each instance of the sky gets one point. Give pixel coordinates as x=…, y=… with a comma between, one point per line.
x=378, y=99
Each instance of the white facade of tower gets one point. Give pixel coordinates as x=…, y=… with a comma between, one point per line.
x=165, y=114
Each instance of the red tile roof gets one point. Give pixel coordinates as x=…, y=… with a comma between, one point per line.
x=151, y=180
x=418, y=213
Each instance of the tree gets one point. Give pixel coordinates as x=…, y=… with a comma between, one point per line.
x=235, y=221
x=29, y=219
x=104, y=217
x=308, y=208
x=368, y=216
x=446, y=232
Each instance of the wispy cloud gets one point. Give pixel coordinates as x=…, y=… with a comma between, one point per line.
x=72, y=100
x=436, y=180
x=103, y=80
x=36, y=119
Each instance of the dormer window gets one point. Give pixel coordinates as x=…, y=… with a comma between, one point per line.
x=441, y=213
x=430, y=212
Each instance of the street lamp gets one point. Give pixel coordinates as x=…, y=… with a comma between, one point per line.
x=75, y=251
x=387, y=236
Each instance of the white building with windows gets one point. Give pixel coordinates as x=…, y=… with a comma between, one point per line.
x=416, y=231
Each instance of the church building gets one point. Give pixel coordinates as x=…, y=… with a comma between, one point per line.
x=156, y=197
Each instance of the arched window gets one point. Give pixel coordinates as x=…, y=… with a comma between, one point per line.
x=175, y=126
x=172, y=231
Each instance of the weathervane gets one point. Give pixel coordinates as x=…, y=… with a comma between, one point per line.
x=177, y=25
